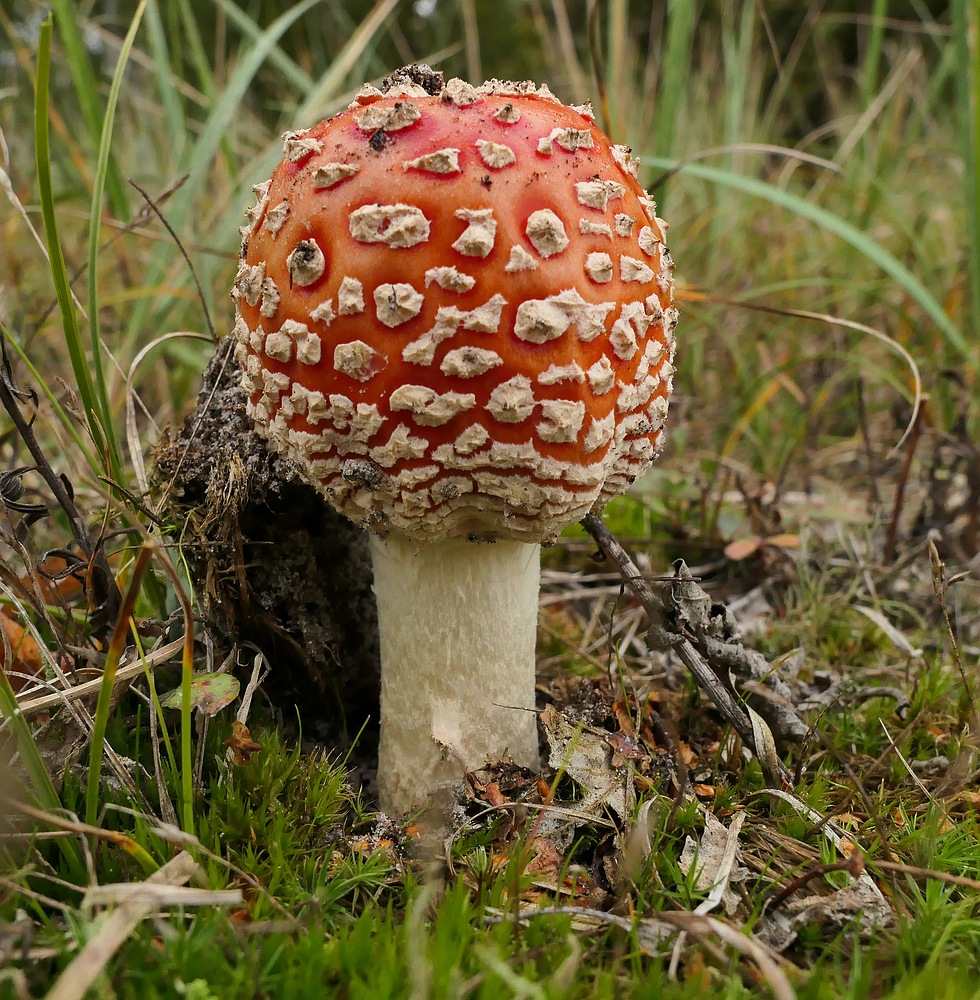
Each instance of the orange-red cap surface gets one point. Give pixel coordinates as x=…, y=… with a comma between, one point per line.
x=455, y=312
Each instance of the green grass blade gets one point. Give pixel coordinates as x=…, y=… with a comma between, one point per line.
x=170, y=101
x=331, y=83
x=839, y=227
x=966, y=24
x=292, y=72
x=870, y=71
x=94, y=234
x=199, y=160
x=70, y=425
x=194, y=46
x=44, y=794
x=227, y=107
x=59, y=273
x=87, y=90
x=681, y=17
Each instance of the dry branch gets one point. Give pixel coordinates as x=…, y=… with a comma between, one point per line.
x=684, y=619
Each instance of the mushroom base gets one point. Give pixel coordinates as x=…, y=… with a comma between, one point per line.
x=458, y=623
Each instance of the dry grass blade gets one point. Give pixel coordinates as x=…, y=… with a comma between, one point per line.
x=692, y=295
x=833, y=834
x=152, y=894
x=89, y=963
x=74, y=826
x=650, y=932
x=30, y=706
x=132, y=430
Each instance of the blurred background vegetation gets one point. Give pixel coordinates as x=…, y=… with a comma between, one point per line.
x=868, y=97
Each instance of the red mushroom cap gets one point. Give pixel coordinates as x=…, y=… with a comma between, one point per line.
x=455, y=312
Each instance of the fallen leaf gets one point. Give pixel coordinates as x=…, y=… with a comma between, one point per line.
x=897, y=638
x=493, y=795
x=623, y=717
x=742, y=548
x=716, y=857
x=626, y=748
x=210, y=693
x=241, y=744
x=26, y=652
x=587, y=759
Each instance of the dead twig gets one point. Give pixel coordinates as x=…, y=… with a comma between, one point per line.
x=86, y=967
x=106, y=598
x=666, y=633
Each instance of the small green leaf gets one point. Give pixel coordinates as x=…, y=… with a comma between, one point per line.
x=210, y=693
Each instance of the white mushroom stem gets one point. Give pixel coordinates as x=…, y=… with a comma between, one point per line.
x=458, y=622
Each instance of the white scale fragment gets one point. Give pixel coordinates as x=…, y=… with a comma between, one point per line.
x=623, y=339
x=428, y=407
x=623, y=156
x=570, y=139
x=297, y=146
x=589, y=228
x=439, y=161
x=460, y=93
x=624, y=224
x=512, y=401
x=397, y=304
x=599, y=267
x=563, y=420
x=477, y=238
x=597, y=193
x=520, y=260
x=323, y=313
x=449, y=279
x=507, y=114
x=305, y=263
x=279, y=346
x=650, y=208
x=249, y=282
x=400, y=445
x=485, y=318
x=601, y=376
x=350, y=297
x=422, y=350
x=387, y=118
x=546, y=232
x=600, y=432
x=261, y=192
x=270, y=298
x=657, y=412
x=275, y=217
x=648, y=242
x=475, y=436
x=327, y=175
x=631, y=269
x=496, y=155
x=366, y=94
x=562, y=373
x=307, y=344
x=395, y=225
x=540, y=320
x=358, y=360
x=469, y=362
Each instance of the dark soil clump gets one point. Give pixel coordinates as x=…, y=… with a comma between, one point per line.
x=275, y=565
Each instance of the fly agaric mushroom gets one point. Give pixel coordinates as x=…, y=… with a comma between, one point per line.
x=454, y=313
